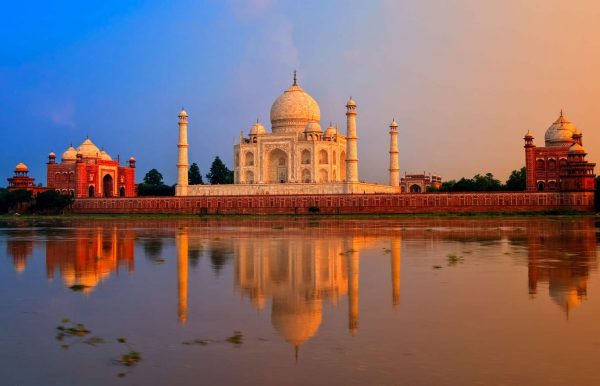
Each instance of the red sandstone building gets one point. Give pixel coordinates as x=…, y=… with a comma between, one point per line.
x=21, y=180
x=90, y=172
x=560, y=165
x=419, y=183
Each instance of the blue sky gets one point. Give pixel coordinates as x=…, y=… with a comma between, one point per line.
x=465, y=80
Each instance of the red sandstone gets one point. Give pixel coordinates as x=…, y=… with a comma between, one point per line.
x=345, y=204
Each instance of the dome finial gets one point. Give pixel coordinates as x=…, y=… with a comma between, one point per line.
x=295, y=79
x=561, y=112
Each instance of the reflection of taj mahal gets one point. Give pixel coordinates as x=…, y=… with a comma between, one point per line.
x=296, y=157
x=296, y=277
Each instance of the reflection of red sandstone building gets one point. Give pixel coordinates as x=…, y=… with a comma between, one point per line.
x=562, y=256
x=90, y=172
x=21, y=180
x=561, y=164
x=90, y=256
x=419, y=183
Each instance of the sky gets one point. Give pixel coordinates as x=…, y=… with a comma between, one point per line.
x=465, y=79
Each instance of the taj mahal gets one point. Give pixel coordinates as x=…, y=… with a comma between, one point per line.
x=295, y=157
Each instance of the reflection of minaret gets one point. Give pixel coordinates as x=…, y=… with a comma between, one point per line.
x=353, y=272
x=182, y=273
x=396, y=244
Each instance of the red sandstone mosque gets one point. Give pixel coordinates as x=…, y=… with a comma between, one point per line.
x=560, y=165
x=90, y=172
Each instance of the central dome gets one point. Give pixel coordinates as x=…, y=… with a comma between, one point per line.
x=88, y=149
x=293, y=110
x=560, y=133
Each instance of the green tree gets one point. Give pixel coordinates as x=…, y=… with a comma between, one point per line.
x=51, y=201
x=153, y=177
x=194, y=176
x=153, y=185
x=219, y=173
x=20, y=199
x=516, y=180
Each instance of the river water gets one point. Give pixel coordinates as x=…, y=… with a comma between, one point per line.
x=307, y=300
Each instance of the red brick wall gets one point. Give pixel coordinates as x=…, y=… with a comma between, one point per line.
x=345, y=204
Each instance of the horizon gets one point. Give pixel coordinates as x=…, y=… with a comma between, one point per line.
x=464, y=81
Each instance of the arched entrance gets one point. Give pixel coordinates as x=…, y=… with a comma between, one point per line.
x=277, y=166
x=249, y=177
x=415, y=188
x=306, y=176
x=541, y=186
x=323, y=175
x=122, y=191
x=107, y=185
x=91, y=191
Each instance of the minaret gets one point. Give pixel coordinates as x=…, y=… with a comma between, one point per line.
x=351, y=148
x=529, y=162
x=394, y=167
x=396, y=255
x=182, y=163
x=182, y=274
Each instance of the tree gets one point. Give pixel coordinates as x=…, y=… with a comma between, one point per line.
x=153, y=185
x=219, y=173
x=51, y=201
x=194, y=176
x=516, y=180
x=153, y=177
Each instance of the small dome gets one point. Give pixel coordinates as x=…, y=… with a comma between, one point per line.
x=576, y=148
x=104, y=156
x=88, y=149
x=330, y=132
x=183, y=113
x=528, y=134
x=52, y=155
x=394, y=123
x=70, y=154
x=257, y=129
x=293, y=110
x=560, y=133
x=21, y=167
x=313, y=127
x=351, y=103
x=131, y=159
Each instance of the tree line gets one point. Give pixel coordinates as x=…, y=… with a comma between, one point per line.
x=153, y=184
x=23, y=201
x=484, y=183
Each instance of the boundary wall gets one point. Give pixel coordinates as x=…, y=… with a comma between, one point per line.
x=343, y=203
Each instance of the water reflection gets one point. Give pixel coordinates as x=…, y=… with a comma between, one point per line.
x=296, y=270
x=497, y=316
x=19, y=250
x=561, y=256
x=90, y=255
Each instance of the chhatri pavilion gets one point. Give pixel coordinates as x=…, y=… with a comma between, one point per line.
x=295, y=157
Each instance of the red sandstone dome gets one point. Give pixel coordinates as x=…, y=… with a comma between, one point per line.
x=21, y=167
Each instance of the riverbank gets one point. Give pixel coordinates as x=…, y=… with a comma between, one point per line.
x=101, y=216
